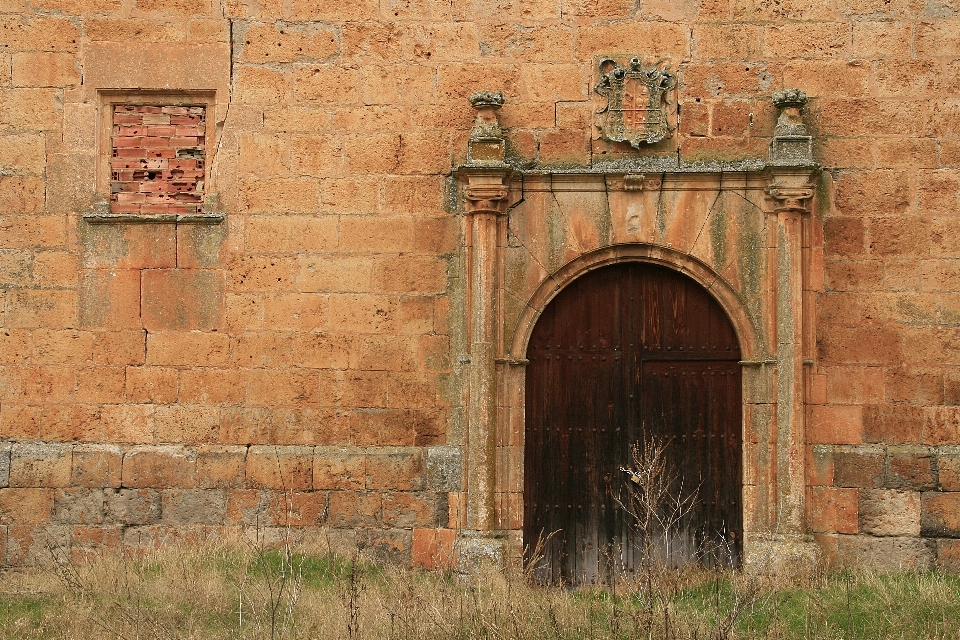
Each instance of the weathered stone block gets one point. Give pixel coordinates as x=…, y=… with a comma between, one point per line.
x=409, y=510
x=159, y=467
x=352, y=509
x=834, y=424
x=193, y=506
x=386, y=545
x=444, y=468
x=187, y=348
x=220, y=467
x=885, y=554
x=5, y=464
x=133, y=506
x=832, y=510
x=395, y=469
x=275, y=467
x=889, y=512
x=339, y=468
x=25, y=506
x=912, y=468
x=79, y=506
x=96, y=465
x=940, y=514
x=110, y=299
x=184, y=299
x=40, y=465
x=858, y=468
x=434, y=548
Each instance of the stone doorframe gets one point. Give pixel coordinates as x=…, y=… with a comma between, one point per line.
x=743, y=231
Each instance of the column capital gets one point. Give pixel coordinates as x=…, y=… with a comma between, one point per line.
x=486, y=190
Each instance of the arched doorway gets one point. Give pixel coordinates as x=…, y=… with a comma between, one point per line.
x=629, y=354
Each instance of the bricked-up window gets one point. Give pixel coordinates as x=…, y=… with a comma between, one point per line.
x=157, y=165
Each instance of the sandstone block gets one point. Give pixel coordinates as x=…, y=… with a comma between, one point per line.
x=119, y=347
x=940, y=514
x=819, y=460
x=159, y=467
x=284, y=388
x=261, y=349
x=290, y=233
x=36, y=308
x=396, y=469
x=268, y=44
x=889, y=512
x=885, y=554
x=184, y=299
x=259, y=273
x=40, y=465
x=832, y=510
x=22, y=154
x=187, y=423
x=5, y=464
x=30, y=544
x=260, y=86
x=948, y=555
x=306, y=426
x=127, y=423
x=860, y=468
x=892, y=424
x=220, y=467
x=20, y=506
x=96, y=465
x=948, y=471
x=133, y=506
x=187, y=348
x=339, y=468
x=275, y=467
x=129, y=246
x=79, y=506
x=110, y=299
x=60, y=346
x=151, y=384
x=835, y=424
x=297, y=311
x=100, y=384
x=434, y=548
x=405, y=510
x=87, y=543
x=193, y=506
x=912, y=468
x=351, y=509
x=386, y=545
x=37, y=69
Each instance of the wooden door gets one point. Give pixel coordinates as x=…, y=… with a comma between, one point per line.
x=626, y=355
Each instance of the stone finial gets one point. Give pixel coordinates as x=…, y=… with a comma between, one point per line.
x=486, y=145
x=791, y=144
x=790, y=103
x=487, y=99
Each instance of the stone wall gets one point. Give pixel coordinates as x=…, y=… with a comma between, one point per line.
x=295, y=351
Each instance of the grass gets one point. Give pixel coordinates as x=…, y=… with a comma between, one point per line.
x=238, y=591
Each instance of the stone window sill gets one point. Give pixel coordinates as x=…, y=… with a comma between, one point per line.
x=161, y=218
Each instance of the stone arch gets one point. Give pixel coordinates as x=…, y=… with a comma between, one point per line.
x=721, y=291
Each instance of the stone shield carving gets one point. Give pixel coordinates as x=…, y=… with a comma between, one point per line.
x=636, y=101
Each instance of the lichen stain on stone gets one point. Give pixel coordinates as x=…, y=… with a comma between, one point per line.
x=661, y=217
x=750, y=262
x=718, y=233
x=556, y=236
x=207, y=241
x=103, y=243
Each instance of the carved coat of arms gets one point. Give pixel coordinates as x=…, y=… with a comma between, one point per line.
x=636, y=101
